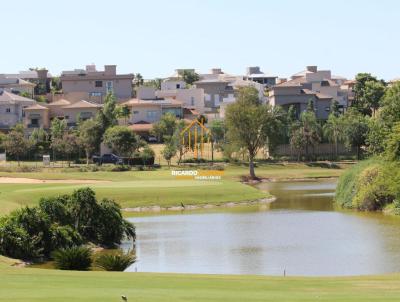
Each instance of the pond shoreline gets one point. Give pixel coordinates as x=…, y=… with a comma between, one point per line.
x=190, y=207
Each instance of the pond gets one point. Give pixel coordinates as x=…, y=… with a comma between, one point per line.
x=300, y=233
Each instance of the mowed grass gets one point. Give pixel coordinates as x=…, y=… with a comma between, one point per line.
x=150, y=188
x=28, y=284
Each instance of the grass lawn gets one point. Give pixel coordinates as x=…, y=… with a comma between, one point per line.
x=28, y=284
x=145, y=188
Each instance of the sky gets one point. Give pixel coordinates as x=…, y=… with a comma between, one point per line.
x=155, y=37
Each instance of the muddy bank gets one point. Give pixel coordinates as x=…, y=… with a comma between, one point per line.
x=184, y=207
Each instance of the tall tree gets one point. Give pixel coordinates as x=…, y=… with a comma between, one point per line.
x=89, y=136
x=16, y=143
x=123, y=112
x=368, y=91
x=121, y=140
x=108, y=115
x=307, y=134
x=165, y=128
x=39, y=141
x=333, y=130
x=355, y=129
x=247, y=122
x=57, y=130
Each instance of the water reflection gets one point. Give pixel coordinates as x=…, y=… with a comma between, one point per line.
x=300, y=232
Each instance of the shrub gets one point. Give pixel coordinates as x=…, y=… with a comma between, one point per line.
x=74, y=258
x=370, y=185
x=61, y=222
x=115, y=261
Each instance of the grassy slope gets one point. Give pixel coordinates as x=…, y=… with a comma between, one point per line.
x=144, y=188
x=52, y=285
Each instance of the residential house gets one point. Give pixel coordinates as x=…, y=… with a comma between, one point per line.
x=310, y=85
x=16, y=85
x=144, y=113
x=40, y=77
x=97, y=83
x=219, y=89
x=12, y=108
x=256, y=75
x=40, y=115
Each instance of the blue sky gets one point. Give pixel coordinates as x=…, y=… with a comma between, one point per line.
x=156, y=37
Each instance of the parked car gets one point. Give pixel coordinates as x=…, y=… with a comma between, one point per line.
x=152, y=139
x=109, y=158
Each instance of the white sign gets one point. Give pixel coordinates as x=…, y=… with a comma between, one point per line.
x=46, y=160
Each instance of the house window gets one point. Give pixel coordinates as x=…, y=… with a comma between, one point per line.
x=98, y=84
x=34, y=122
x=178, y=86
x=8, y=110
x=135, y=112
x=109, y=87
x=216, y=99
x=152, y=114
x=192, y=101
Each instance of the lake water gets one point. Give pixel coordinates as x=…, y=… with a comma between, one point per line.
x=300, y=233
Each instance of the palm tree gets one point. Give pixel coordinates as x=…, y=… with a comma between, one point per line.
x=333, y=131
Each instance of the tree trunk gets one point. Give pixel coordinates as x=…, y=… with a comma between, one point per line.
x=336, y=150
x=251, y=167
x=87, y=158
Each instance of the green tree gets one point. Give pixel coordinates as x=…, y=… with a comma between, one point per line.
x=355, y=129
x=218, y=130
x=39, y=141
x=16, y=143
x=169, y=152
x=108, y=115
x=89, y=136
x=165, y=128
x=247, y=122
x=368, y=91
x=121, y=140
x=57, y=130
x=146, y=153
x=307, y=135
x=393, y=144
x=333, y=130
x=123, y=112
x=189, y=76
x=390, y=111
x=138, y=80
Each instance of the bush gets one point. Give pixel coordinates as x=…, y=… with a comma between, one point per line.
x=76, y=258
x=62, y=222
x=370, y=185
x=117, y=262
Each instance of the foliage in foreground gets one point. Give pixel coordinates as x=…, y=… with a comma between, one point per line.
x=33, y=233
x=76, y=258
x=117, y=262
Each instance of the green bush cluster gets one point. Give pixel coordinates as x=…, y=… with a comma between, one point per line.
x=370, y=185
x=73, y=258
x=117, y=261
x=33, y=233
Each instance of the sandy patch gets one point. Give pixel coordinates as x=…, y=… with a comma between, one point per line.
x=15, y=180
